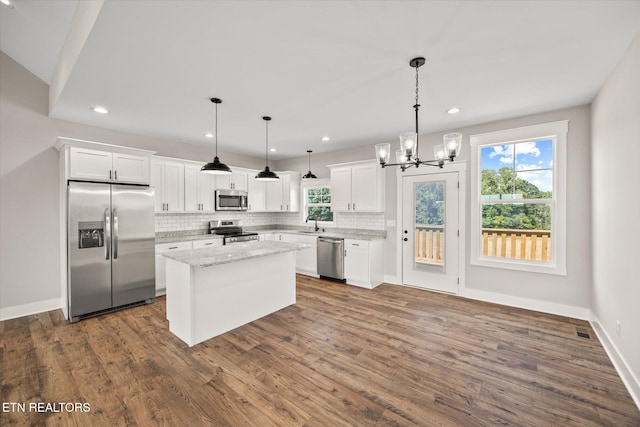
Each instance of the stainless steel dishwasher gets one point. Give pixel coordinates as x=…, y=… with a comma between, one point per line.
x=331, y=258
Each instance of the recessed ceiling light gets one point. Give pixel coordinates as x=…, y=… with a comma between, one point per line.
x=272, y=150
x=7, y=3
x=100, y=110
x=453, y=110
x=326, y=139
x=208, y=135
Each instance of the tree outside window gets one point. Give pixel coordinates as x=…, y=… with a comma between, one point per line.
x=318, y=204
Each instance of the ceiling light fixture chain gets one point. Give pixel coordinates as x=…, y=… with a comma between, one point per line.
x=407, y=155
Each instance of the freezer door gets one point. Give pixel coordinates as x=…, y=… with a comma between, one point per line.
x=133, y=244
x=88, y=251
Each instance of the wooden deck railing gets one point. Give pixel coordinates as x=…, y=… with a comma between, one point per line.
x=496, y=242
x=430, y=244
x=532, y=245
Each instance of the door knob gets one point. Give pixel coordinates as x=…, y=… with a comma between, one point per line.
x=405, y=239
x=405, y=232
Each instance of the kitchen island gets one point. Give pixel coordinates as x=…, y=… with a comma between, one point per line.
x=214, y=290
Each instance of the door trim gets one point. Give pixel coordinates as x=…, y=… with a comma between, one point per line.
x=461, y=168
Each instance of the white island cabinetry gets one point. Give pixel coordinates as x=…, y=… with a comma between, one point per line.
x=212, y=291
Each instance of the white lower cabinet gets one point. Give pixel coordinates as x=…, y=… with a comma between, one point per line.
x=161, y=278
x=267, y=236
x=306, y=259
x=363, y=263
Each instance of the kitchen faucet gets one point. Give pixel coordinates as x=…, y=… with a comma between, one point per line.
x=316, y=220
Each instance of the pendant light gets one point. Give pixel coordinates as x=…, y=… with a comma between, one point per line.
x=266, y=174
x=309, y=175
x=216, y=167
x=407, y=155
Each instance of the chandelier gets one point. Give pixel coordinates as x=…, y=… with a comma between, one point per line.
x=407, y=154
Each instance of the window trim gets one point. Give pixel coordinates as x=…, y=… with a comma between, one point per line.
x=558, y=132
x=305, y=185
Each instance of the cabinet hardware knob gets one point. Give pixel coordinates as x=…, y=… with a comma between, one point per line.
x=405, y=239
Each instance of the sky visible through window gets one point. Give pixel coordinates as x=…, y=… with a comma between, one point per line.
x=532, y=161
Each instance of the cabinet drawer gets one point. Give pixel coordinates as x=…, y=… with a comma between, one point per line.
x=356, y=244
x=177, y=246
x=199, y=244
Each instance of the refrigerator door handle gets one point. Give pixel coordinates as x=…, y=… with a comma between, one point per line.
x=115, y=233
x=107, y=232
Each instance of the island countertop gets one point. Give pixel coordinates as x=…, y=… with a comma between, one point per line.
x=208, y=257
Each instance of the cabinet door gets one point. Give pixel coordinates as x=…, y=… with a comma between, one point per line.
x=274, y=196
x=90, y=164
x=341, y=190
x=130, y=168
x=207, y=191
x=257, y=195
x=161, y=275
x=239, y=180
x=191, y=188
x=290, y=191
x=364, y=190
x=157, y=182
x=307, y=259
x=223, y=182
x=173, y=181
x=356, y=265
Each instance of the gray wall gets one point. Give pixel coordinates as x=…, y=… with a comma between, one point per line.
x=29, y=204
x=572, y=290
x=616, y=208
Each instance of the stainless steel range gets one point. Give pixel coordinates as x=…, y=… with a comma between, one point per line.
x=232, y=231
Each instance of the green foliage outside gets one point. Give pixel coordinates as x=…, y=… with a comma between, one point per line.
x=315, y=196
x=430, y=203
x=505, y=185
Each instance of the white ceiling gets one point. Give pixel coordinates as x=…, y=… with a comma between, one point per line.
x=336, y=68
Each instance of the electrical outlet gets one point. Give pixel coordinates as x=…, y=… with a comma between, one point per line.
x=618, y=327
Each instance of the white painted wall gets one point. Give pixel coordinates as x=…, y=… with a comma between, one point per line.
x=29, y=203
x=616, y=209
x=568, y=295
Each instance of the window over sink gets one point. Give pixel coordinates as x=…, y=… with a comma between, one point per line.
x=317, y=204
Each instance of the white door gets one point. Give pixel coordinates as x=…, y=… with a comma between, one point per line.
x=430, y=231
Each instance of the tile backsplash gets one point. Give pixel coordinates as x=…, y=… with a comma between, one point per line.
x=168, y=222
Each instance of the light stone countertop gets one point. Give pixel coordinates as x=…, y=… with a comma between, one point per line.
x=334, y=234
x=183, y=238
x=231, y=253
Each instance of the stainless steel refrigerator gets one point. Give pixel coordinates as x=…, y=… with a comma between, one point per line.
x=111, y=247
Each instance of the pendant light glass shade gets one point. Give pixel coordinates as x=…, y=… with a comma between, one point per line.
x=309, y=175
x=383, y=151
x=452, y=143
x=216, y=167
x=266, y=174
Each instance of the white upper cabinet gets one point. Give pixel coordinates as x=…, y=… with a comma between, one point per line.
x=357, y=187
x=283, y=195
x=234, y=181
x=199, y=189
x=256, y=192
x=167, y=177
x=102, y=165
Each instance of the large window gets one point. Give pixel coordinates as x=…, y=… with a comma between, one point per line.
x=318, y=204
x=518, y=197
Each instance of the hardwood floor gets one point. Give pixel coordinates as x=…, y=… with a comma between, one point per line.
x=342, y=356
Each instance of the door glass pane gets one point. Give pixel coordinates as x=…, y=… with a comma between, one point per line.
x=429, y=226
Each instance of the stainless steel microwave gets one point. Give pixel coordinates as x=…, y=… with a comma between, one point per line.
x=231, y=200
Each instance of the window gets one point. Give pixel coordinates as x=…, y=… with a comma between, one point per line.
x=518, y=198
x=318, y=204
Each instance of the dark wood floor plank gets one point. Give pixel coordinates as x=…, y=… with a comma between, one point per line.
x=341, y=356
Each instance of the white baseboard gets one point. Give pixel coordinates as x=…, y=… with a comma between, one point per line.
x=31, y=308
x=619, y=362
x=527, y=303
x=392, y=280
